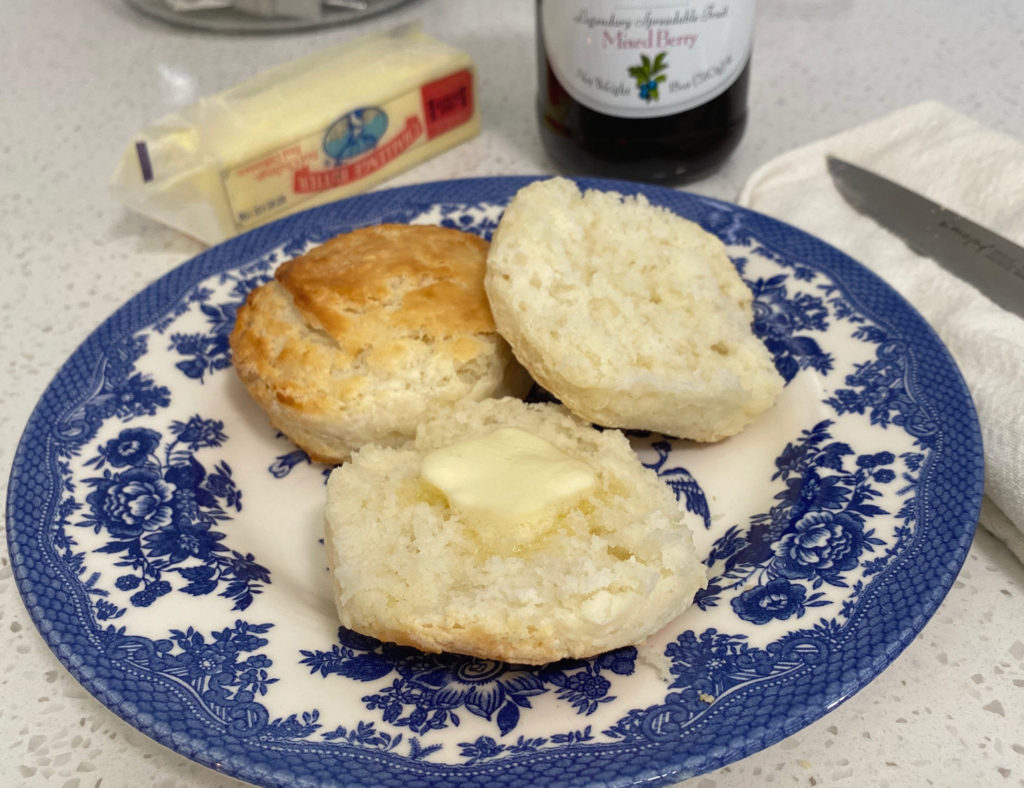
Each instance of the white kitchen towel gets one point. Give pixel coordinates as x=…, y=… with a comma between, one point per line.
x=974, y=171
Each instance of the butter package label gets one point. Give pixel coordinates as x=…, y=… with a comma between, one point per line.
x=321, y=128
x=355, y=146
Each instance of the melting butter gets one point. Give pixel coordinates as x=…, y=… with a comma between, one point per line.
x=510, y=480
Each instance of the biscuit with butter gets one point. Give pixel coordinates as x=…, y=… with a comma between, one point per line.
x=364, y=337
x=508, y=531
x=631, y=315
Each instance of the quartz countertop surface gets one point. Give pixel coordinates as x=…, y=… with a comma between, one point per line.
x=80, y=78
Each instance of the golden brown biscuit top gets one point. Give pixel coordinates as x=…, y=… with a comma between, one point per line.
x=428, y=279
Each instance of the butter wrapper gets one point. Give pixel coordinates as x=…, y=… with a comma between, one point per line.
x=318, y=129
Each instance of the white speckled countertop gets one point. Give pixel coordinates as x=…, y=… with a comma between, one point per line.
x=78, y=78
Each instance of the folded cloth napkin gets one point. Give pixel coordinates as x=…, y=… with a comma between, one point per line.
x=974, y=171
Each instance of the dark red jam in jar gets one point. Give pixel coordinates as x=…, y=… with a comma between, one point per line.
x=653, y=91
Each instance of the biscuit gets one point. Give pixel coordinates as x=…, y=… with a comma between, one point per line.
x=410, y=567
x=364, y=337
x=629, y=314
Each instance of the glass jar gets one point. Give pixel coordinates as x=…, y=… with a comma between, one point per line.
x=652, y=91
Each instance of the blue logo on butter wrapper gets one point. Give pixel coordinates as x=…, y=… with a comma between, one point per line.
x=355, y=133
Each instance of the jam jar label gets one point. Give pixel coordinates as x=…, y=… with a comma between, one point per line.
x=643, y=60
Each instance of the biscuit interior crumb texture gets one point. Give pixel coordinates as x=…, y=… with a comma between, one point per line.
x=367, y=335
x=631, y=315
x=605, y=570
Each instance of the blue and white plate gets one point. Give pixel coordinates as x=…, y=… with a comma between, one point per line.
x=167, y=541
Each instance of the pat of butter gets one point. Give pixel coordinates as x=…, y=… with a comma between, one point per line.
x=508, y=477
x=324, y=127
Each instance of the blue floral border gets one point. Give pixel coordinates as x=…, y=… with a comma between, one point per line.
x=889, y=611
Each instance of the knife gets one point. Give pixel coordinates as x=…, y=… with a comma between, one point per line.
x=975, y=254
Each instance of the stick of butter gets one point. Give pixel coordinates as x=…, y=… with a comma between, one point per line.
x=314, y=130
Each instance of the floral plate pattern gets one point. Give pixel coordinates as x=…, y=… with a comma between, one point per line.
x=166, y=540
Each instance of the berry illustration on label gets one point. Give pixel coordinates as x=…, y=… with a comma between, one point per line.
x=648, y=75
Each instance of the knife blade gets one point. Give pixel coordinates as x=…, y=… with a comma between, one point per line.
x=990, y=262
